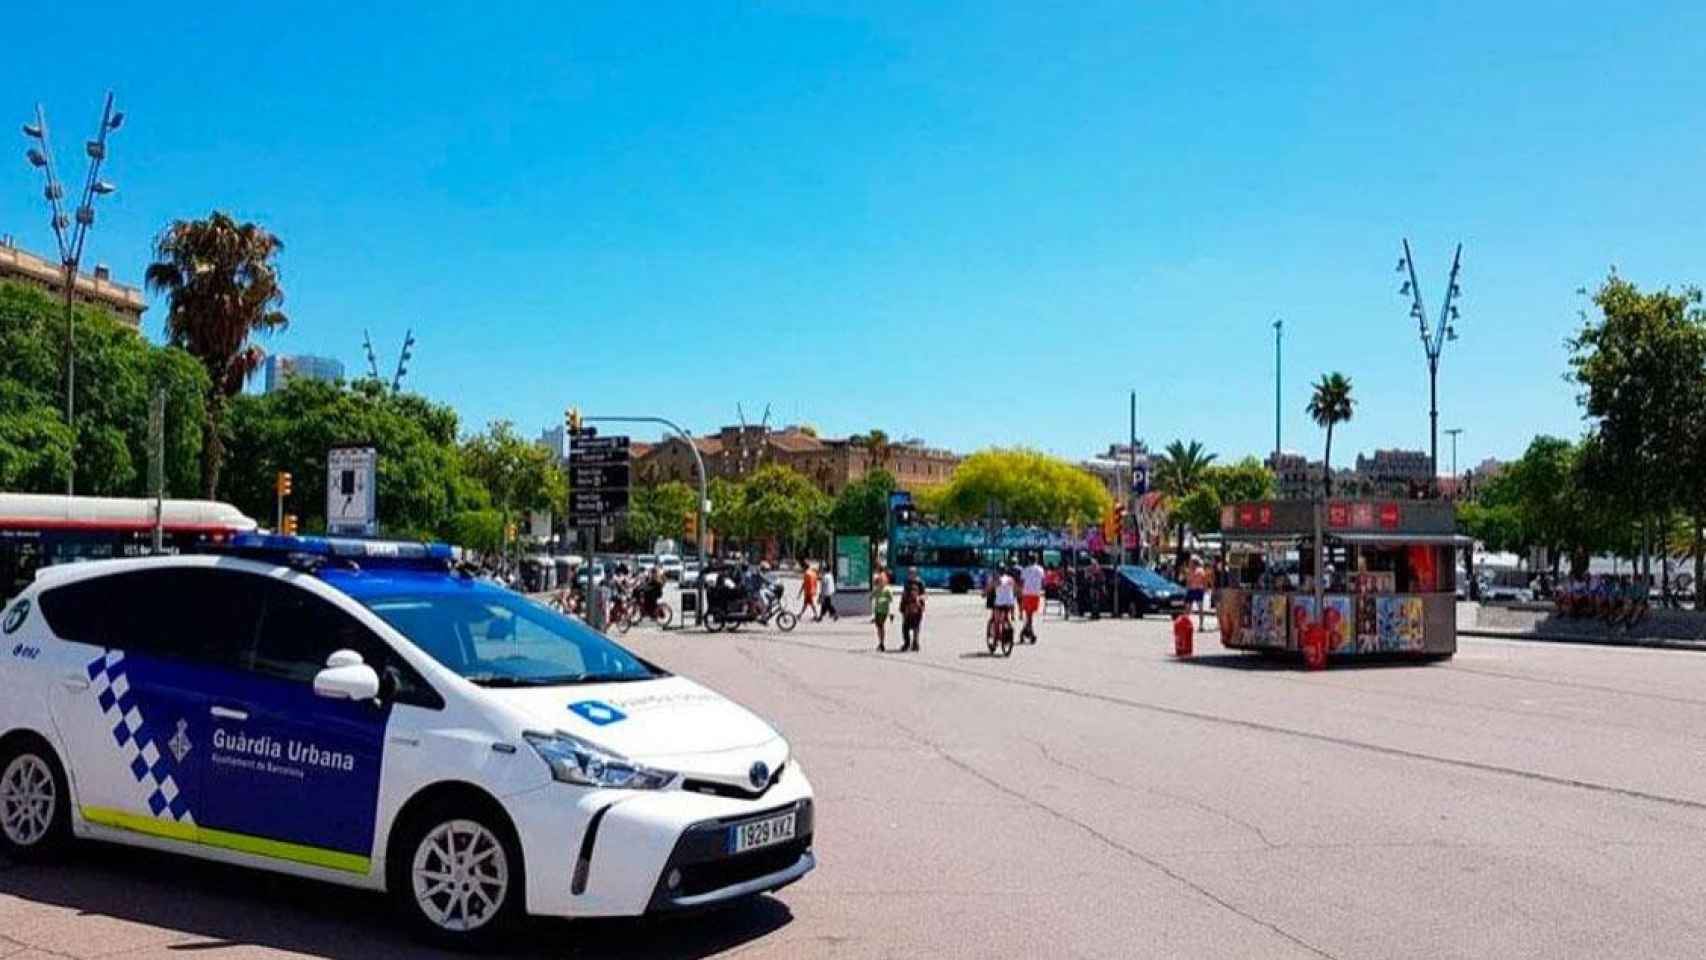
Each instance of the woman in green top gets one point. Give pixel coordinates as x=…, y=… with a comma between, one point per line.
x=881, y=599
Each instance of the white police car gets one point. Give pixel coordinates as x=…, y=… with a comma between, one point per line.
x=359, y=712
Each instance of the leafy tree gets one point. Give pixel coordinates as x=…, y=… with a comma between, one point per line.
x=481, y=531
x=223, y=288
x=422, y=483
x=1182, y=468
x=519, y=476
x=118, y=372
x=1330, y=404
x=1642, y=368
x=1024, y=486
x=659, y=512
x=1248, y=479
x=862, y=508
x=729, y=516
x=782, y=503
x=1199, y=510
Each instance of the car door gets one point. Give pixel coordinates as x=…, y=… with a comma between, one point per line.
x=135, y=715
x=296, y=776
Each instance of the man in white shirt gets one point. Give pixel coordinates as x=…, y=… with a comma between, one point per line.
x=1031, y=598
x=826, y=593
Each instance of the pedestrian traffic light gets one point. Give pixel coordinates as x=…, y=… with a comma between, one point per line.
x=289, y=526
x=283, y=485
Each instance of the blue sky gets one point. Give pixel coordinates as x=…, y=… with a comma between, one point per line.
x=972, y=223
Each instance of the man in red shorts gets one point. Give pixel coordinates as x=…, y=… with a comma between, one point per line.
x=1031, y=597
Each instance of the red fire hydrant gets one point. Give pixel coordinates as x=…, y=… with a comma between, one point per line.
x=1182, y=634
x=1315, y=646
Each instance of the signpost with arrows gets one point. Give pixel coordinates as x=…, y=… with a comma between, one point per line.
x=599, y=475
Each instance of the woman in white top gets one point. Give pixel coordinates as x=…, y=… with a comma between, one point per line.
x=1006, y=598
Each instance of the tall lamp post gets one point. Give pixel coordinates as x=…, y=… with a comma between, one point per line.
x=1434, y=339
x=1454, y=433
x=1279, y=332
x=70, y=230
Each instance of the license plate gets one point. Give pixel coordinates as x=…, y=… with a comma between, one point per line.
x=761, y=833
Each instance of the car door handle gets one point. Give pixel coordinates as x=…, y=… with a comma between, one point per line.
x=75, y=682
x=230, y=713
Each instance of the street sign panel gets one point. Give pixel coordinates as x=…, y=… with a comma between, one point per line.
x=351, y=479
x=598, y=476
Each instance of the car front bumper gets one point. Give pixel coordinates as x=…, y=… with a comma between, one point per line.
x=613, y=853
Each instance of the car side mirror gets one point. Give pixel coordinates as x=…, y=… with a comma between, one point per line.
x=354, y=681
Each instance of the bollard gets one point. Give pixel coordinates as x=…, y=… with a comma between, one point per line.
x=1182, y=634
x=1315, y=647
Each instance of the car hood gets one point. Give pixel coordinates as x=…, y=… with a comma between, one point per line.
x=671, y=721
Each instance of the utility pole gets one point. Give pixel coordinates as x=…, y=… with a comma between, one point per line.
x=40, y=156
x=1453, y=433
x=1279, y=331
x=1434, y=340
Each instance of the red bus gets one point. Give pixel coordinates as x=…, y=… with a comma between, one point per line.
x=40, y=530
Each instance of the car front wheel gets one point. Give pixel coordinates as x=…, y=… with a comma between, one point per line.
x=35, y=805
x=461, y=885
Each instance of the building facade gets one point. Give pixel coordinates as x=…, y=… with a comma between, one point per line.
x=1113, y=467
x=735, y=452
x=1393, y=473
x=281, y=368
x=96, y=289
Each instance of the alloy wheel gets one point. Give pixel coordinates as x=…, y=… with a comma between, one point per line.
x=460, y=876
x=29, y=799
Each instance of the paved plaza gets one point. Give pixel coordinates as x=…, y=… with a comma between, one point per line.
x=1094, y=797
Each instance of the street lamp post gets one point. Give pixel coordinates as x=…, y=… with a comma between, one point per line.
x=1454, y=433
x=70, y=230
x=1279, y=332
x=1434, y=339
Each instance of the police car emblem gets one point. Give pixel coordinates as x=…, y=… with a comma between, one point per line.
x=180, y=744
x=15, y=616
x=759, y=775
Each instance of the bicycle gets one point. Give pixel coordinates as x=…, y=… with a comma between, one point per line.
x=660, y=611
x=998, y=634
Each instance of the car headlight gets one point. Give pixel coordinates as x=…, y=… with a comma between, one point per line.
x=573, y=760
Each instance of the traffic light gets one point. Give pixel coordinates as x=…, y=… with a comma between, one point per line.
x=283, y=485
x=572, y=420
x=691, y=525
x=288, y=528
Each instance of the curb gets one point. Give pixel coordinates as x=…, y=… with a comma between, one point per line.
x=1653, y=642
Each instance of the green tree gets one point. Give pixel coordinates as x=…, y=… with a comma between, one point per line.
x=1248, y=479
x=1330, y=404
x=223, y=288
x=1179, y=473
x=862, y=508
x=422, y=482
x=518, y=475
x=118, y=372
x=1641, y=365
x=658, y=512
x=782, y=504
x=1023, y=486
x=879, y=449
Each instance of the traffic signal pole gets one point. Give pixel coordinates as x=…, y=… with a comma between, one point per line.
x=704, y=495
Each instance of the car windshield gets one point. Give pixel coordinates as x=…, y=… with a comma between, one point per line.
x=497, y=639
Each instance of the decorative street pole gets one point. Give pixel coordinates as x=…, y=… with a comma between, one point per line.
x=1279, y=331
x=71, y=244
x=1454, y=433
x=1434, y=340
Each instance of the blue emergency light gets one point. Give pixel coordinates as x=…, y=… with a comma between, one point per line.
x=344, y=548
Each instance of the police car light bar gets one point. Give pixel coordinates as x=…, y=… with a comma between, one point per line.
x=342, y=547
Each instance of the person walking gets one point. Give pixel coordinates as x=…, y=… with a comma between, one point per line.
x=911, y=610
x=881, y=600
x=826, y=596
x=808, y=589
x=1031, y=597
x=1093, y=580
x=1196, y=590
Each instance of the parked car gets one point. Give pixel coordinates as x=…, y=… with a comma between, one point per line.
x=363, y=713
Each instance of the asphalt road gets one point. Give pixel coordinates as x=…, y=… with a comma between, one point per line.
x=1093, y=797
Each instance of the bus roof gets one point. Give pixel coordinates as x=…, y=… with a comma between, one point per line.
x=38, y=511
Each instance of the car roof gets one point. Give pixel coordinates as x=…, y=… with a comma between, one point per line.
x=378, y=583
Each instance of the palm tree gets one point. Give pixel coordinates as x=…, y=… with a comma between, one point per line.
x=1179, y=471
x=223, y=288
x=879, y=450
x=1331, y=404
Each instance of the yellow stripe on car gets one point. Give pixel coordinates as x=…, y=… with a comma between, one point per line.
x=243, y=843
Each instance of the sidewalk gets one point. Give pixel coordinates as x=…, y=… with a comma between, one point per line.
x=1676, y=629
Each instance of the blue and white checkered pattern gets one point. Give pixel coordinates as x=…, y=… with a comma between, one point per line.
x=145, y=750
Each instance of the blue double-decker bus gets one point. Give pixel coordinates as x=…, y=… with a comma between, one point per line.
x=959, y=558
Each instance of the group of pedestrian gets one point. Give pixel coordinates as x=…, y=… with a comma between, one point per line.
x=912, y=602
x=817, y=593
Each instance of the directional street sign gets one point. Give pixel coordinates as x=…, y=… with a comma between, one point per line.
x=598, y=478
